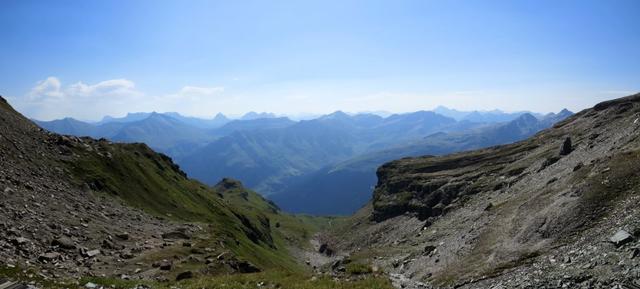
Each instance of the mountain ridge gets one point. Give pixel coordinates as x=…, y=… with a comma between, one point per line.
x=551, y=207
x=71, y=203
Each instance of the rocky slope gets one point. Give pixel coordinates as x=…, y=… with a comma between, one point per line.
x=560, y=209
x=77, y=207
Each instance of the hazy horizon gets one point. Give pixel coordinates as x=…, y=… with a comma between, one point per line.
x=300, y=115
x=90, y=59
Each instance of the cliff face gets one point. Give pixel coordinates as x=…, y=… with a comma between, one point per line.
x=485, y=214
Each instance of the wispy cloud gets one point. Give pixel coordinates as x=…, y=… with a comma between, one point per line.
x=48, y=88
x=50, y=99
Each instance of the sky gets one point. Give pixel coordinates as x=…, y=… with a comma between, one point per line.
x=87, y=59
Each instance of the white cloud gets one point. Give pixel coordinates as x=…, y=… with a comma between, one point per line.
x=50, y=99
x=114, y=87
x=48, y=88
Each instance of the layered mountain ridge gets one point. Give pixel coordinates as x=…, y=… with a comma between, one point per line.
x=301, y=164
x=559, y=209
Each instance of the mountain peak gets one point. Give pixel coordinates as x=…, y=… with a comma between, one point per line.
x=336, y=114
x=257, y=115
x=527, y=117
x=565, y=112
x=220, y=116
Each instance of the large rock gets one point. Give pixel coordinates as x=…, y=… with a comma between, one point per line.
x=92, y=253
x=123, y=236
x=164, y=265
x=244, y=267
x=184, y=275
x=19, y=241
x=48, y=257
x=621, y=237
x=566, y=147
x=64, y=243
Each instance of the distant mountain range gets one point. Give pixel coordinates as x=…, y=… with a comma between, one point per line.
x=307, y=165
x=343, y=187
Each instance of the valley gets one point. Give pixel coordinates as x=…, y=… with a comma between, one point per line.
x=556, y=204
x=80, y=211
x=409, y=144
x=309, y=166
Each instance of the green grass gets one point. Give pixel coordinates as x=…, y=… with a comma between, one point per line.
x=271, y=279
x=249, y=226
x=358, y=268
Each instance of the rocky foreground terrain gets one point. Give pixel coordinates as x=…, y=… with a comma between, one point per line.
x=78, y=211
x=559, y=210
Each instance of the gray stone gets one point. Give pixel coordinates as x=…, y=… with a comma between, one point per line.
x=64, y=243
x=164, y=265
x=48, y=257
x=92, y=253
x=20, y=241
x=123, y=236
x=621, y=237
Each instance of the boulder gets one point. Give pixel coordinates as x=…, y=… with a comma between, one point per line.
x=184, y=275
x=620, y=238
x=123, y=236
x=164, y=265
x=566, y=147
x=244, y=267
x=48, y=257
x=92, y=253
x=64, y=243
x=19, y=241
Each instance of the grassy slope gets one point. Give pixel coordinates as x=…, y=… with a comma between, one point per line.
x=150, y=181
x=231, y=218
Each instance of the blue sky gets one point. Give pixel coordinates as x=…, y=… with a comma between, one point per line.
x=87, y=59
